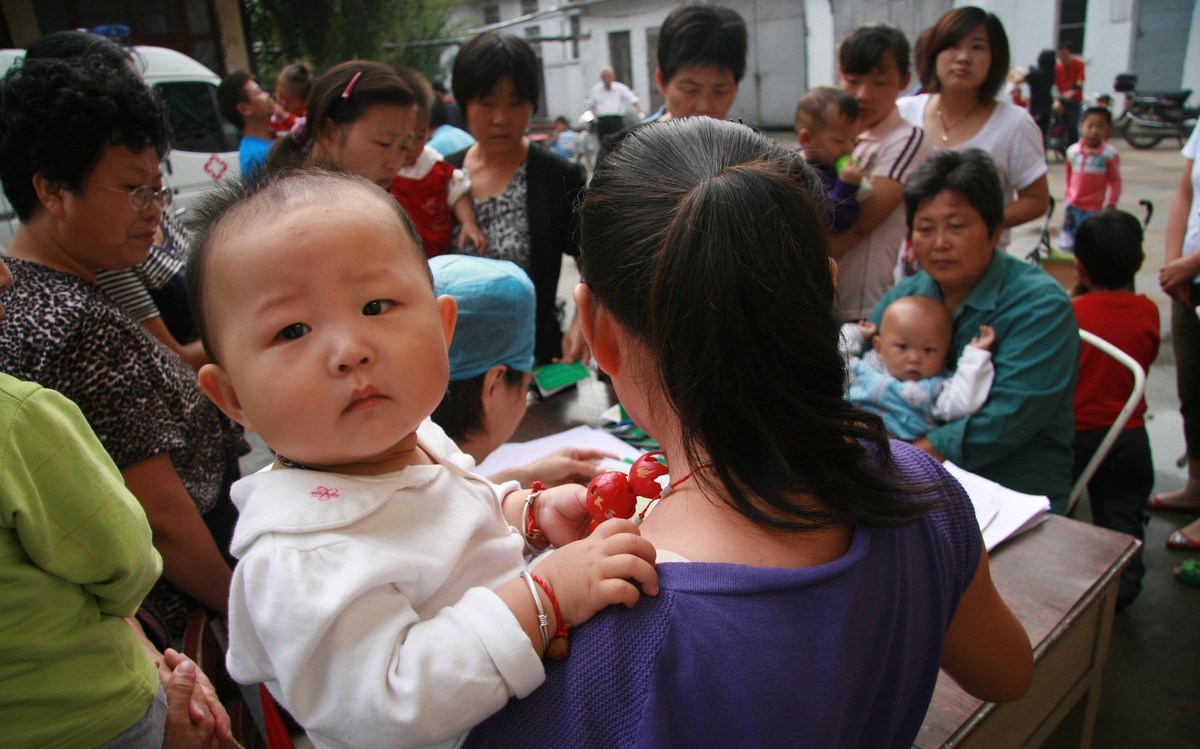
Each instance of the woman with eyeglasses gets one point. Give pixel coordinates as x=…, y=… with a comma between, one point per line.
x=79, y=159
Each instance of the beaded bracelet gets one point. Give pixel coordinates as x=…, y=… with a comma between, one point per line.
x=535, y=540
x=559, y=647
x=543, y=620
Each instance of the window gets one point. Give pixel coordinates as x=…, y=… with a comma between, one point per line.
x=528, y=6
x=491, y=11
x=619, y=56
x=1072, y=15
x=192, y=111
x=576, y=31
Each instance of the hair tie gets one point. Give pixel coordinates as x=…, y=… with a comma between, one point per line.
x=350, y=86
x=300, y=133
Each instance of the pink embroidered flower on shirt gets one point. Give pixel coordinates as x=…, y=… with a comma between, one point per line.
x=324, y=494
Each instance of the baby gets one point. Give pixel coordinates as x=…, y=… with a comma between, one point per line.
x=825, y=128
x=381, y=592
x=903, y=377
x=431, y=190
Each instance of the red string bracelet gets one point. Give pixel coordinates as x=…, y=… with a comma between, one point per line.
x=535, y=540
x=559, y=647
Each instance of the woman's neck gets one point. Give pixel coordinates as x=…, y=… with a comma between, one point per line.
x=957, y=103
x=702, y=527
x=494, y=157
x=36, y=241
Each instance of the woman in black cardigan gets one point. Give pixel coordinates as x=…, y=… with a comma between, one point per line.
x=524, y=196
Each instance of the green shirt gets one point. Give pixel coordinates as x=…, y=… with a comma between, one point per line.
x=75, y=558
x=1021, y=438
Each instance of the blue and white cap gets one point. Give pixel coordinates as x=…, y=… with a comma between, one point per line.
x=496, y=311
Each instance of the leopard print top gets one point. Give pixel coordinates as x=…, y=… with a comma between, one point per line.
x=504, y=220
x=139, y=397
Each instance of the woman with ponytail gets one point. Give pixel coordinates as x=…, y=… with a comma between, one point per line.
x=813, y=576
x=360, y=117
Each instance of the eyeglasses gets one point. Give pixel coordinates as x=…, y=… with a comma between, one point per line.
x=142, y=196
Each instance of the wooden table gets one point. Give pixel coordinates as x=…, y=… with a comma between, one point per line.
x=1060, y=580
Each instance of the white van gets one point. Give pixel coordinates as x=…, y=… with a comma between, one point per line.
x=203, y=145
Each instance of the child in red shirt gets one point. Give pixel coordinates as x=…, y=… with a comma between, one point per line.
x=1108, y=252
x=431, y=190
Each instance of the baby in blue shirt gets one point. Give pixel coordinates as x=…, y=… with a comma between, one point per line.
x=902, y=377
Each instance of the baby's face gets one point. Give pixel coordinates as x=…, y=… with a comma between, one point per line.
x=417, y=138
x=832, y=140
x=329, y=333
x=912, y=347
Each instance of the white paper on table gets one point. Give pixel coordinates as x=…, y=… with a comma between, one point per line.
x=1002, y=513
x=582, y=437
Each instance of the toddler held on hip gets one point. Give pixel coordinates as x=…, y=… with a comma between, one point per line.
x=381, y=591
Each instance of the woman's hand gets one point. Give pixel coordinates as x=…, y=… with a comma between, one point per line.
x=566, y=465
x=1175, y=277
x=924, y=444
x=203, y=705
x=600, y=570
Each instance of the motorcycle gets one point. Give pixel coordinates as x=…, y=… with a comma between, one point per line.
x=1151, y=116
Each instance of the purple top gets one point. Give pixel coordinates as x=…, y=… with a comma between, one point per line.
x=841, y=198
x=844, y=654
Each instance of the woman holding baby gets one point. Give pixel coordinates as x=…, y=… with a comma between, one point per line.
x=1021, y=438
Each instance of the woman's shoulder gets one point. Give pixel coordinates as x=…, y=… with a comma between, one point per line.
x=543, y=160
x=912, y=108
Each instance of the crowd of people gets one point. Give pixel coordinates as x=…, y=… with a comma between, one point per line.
x=371, y=299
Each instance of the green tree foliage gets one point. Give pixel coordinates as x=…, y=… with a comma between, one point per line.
x=326, y=32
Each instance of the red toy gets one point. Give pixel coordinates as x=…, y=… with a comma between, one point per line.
x=614, y=495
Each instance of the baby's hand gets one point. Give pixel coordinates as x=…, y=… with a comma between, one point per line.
x=600, y=570
x=867, y=328
x=471, y=233
x=851, y=173
x=562, y=514
x=985, y=339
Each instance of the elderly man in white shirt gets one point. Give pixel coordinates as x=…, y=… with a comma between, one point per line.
x=608, y=101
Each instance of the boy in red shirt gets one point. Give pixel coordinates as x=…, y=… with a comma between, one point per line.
x=1108, y=252
x=1093, y=169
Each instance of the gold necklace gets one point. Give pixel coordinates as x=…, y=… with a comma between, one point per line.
x=947, y=128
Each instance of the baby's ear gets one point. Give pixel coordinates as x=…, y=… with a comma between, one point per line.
x=215, y=383
x=877, y=341
x=448, y=311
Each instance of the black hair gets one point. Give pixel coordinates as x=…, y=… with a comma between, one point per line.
x=1067, y=45
x=419, y=85
x=485, y=59
x=335, y=101
x=438, y=115
x=460, y=414
x=948, y=31
x=267, y=195
x=76, y=45
x=810, y=110
x=298, y=79
x=57, y=118
x=1045, y=61
x=697, y=34
x=1109, y=247
x=230, y=94
x=970, y=174
x=864, y=49
x=1104, y=112
x=730, y=233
